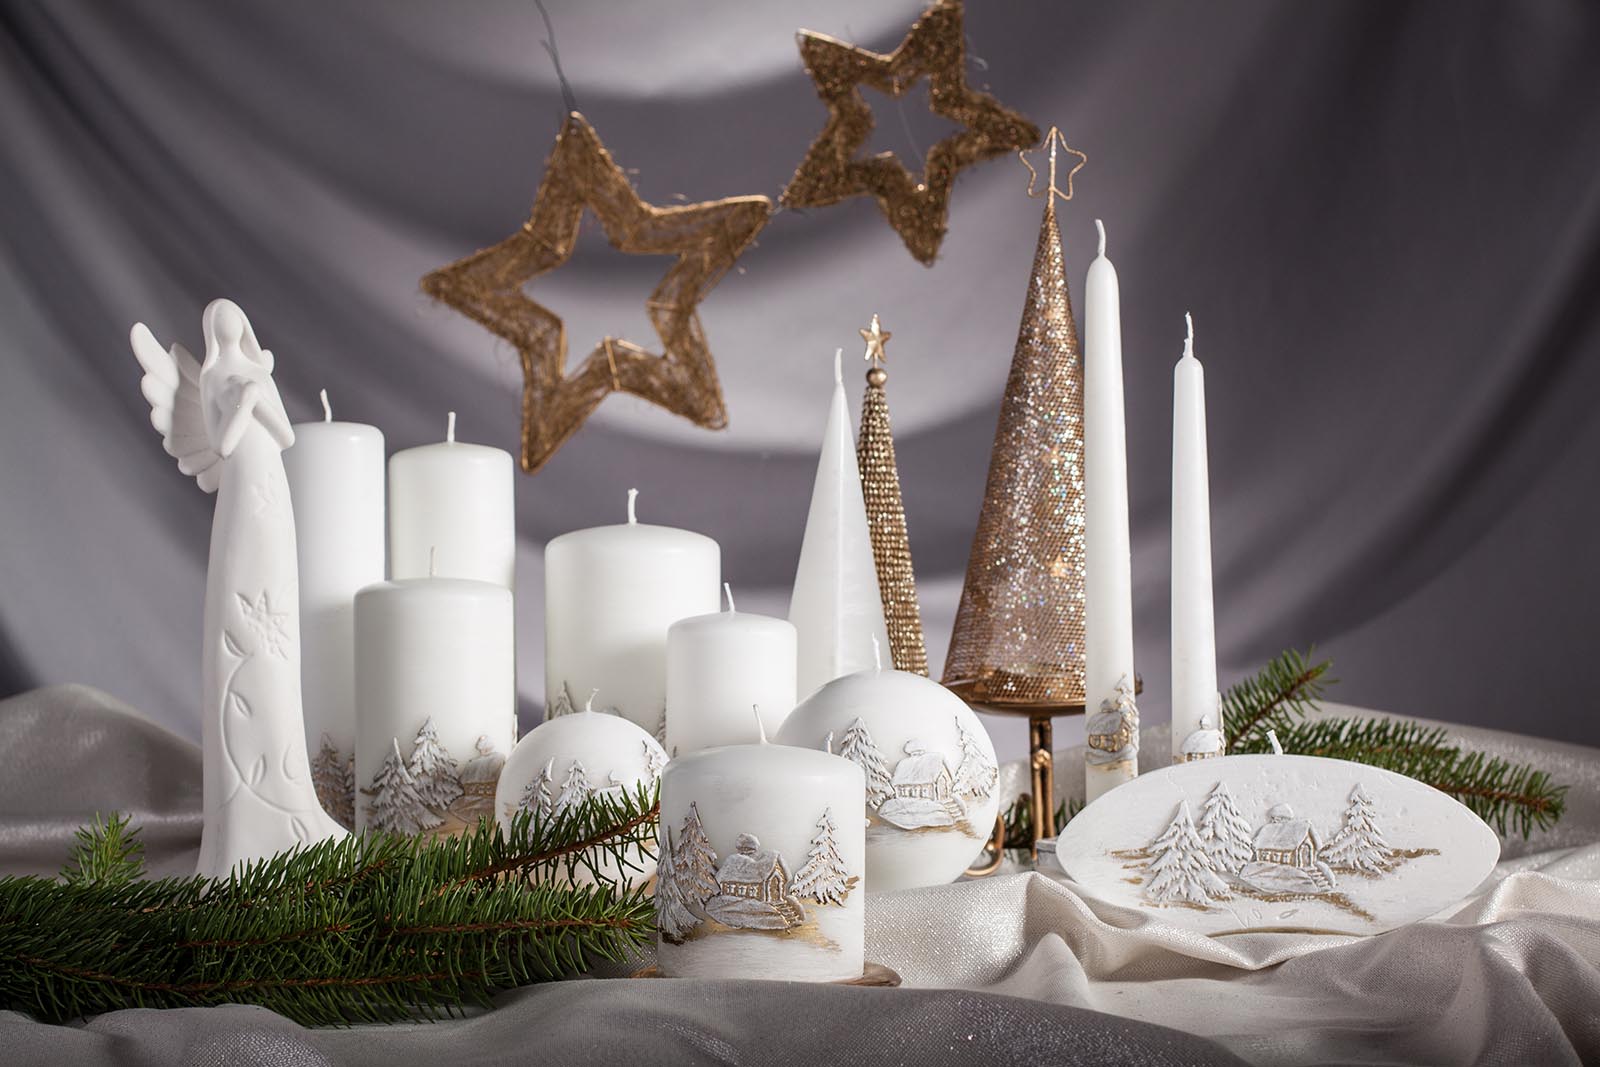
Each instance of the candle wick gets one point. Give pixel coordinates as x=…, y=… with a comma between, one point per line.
x=633, y=517
x=327, y=408
x=761, y=727
x=1188, y=341
x=728, y=592
x=450, y=428
x=433, y=561
x=1272, y=739
x=838, y=366
x=1100, y=226
x=588, y=705
x=877, y=652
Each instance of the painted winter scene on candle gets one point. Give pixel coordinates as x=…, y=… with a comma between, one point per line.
x=921, y=791
x=429, y=791
x=753, y=889
x=1252, y=843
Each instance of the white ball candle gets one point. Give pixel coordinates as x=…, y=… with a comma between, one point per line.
x=761, y=861
x=435, y=702
x=1194, y=637
x=335, y=472
x=451, y=512
x=931, y=776
x=611, y=592
x=563, y=762
x=718, y=667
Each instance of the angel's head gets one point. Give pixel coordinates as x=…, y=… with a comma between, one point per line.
x=231, y=344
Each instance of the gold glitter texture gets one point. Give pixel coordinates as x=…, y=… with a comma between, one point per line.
x=886, y=514
x=916, y=207
x=487, y=287
x=1019, y=630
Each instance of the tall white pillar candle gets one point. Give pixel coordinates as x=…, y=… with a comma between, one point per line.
x=436, y=701
x=762, y=853
x=335, y=472
x=836, y=606
x=610, y=594
x=451, y=511
x=721, y=665
x=1108, y=581
x=1194, y=642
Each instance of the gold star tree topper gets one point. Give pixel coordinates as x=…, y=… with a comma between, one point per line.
x=916, y=207
x=487, y=287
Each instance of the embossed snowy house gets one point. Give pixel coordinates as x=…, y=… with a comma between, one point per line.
x=1109, y=733
x=1205, y=743
x=922, y=775
x=480, y=775
x=752, y=872
x=1286, y=839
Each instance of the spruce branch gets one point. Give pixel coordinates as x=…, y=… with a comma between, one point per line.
x=107, y=852
x=1280, y=694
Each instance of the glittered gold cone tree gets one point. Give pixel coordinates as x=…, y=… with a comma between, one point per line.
x=886, y=513
x=1018, y=641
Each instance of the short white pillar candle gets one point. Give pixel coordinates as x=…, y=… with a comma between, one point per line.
x=451, y=512
x=335, y=472
x=610, y=593
x=718, y=667
x=761, y=860
x=436, y=702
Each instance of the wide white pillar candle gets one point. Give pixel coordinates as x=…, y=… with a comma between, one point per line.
x=335, y=472
x=762, y=852
x=718, y=667
x=836, y=606
x=610, y=594
x=436, y=702
x=451, y=512
x=1194, y=641
x=1108, y=579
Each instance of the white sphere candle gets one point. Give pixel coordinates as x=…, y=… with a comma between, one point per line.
x=436, y=702
x=564, y=761
x=931, y=776
x=451, y=512
x=610, y=593
x=718, y=667
x=335, y=472
x=1194, y=637
x=761, y=860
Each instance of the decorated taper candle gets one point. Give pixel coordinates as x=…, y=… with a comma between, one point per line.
x=718, y=665
x=762, y=852
x=611, y=592
x=1194, y=644
x=335, y=472
x=1112, y=728
x=435, y=702
x=452, y=502
x=836, y=605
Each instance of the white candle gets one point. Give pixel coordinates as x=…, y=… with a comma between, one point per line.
x=451, y=509
x=1108, y=581
x=762, y=853
x=610, y=594
x=718, y=667
x=335, y=472
x=836, y=606
x=435, y=702
x=1194, y=642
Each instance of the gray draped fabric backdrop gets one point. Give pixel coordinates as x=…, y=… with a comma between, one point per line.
x=1385, y=218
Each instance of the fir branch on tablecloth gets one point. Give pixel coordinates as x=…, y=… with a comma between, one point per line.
x=1019, y=819
x=371, y=928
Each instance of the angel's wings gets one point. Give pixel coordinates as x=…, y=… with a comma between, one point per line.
x=171, y=384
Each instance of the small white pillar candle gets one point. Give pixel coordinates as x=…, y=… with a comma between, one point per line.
x=436, y=702
x=335, y=472
x=718, y=667
x=1108, y=580
x=762, y=854
x=1194, y=641
x=610, y=593
x=451, y=511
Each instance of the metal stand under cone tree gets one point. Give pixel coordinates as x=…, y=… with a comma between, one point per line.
x=886, y=514
x=1018, y=643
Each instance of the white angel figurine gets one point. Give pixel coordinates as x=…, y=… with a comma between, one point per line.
x=224, y=422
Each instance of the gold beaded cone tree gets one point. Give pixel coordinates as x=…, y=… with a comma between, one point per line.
x=1019, y=630
x=886, y=514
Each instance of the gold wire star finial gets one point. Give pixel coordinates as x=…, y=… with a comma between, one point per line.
x=876, y=337
x=1051, y=141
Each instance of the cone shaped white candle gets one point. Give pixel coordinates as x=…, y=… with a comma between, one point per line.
x=1108, y=582
x=1194, y=643
x=836, y=607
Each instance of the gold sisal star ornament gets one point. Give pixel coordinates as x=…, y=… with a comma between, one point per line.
x=916, y=207
x=487, y=287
